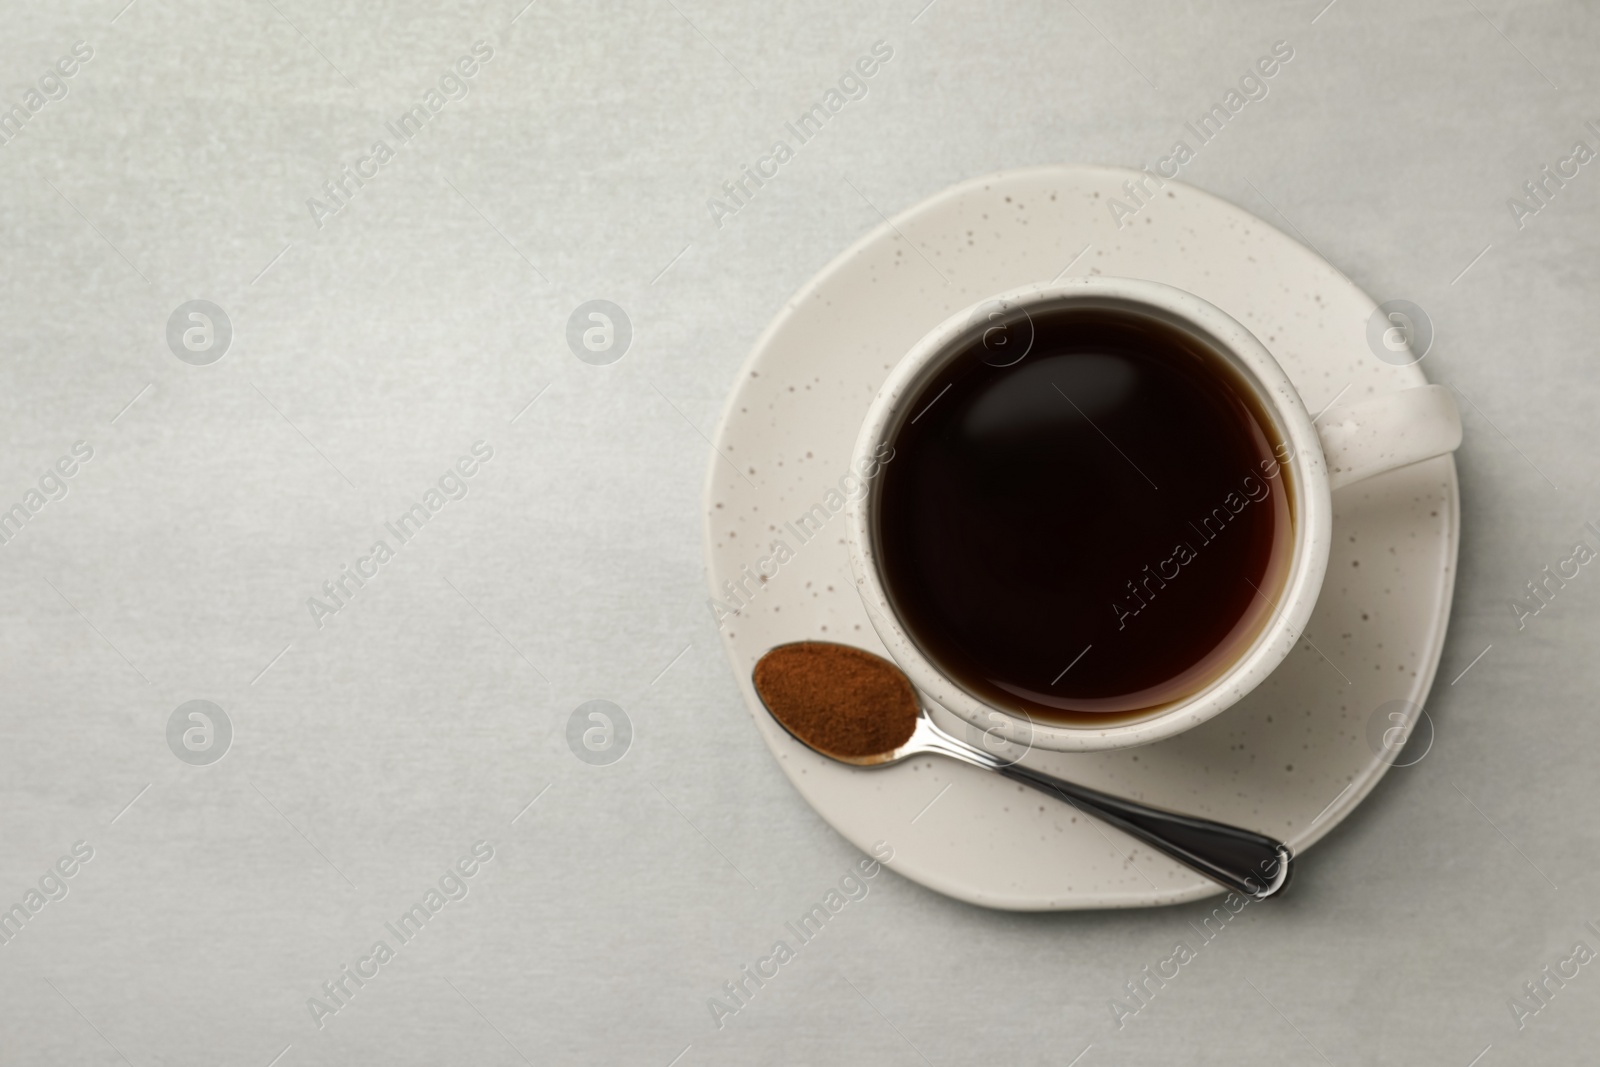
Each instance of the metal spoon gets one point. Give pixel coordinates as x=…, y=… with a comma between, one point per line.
x=1246, y=862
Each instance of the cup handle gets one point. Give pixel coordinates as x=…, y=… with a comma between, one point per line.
x=1369, y=437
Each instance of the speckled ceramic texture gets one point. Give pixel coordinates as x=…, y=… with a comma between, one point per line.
x=1290, y=759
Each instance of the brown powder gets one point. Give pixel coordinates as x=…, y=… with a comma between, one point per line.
x=837, y=699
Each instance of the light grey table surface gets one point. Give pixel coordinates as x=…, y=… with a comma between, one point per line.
x=368, y=353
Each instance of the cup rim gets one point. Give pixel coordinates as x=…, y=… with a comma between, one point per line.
x=1313, y=504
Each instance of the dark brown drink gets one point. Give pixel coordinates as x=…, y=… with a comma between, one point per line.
x=1093, y=532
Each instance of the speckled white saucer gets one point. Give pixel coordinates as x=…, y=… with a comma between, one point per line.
x=1293, y=758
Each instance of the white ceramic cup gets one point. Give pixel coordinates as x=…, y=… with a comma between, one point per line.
x=1349, y=442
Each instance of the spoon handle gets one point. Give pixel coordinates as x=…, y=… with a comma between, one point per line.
x=1246, y=862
